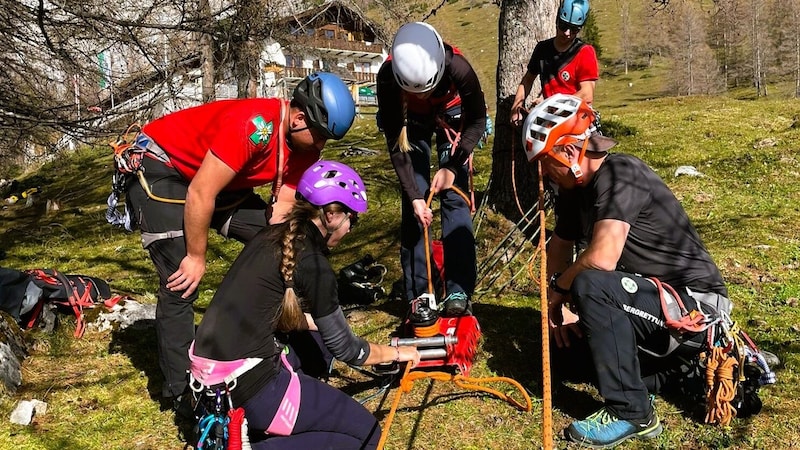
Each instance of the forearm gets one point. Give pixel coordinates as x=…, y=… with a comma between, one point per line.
x=283, y=205
x=559, y=255
x=405, y=173
x=379, y=354
x=196, y=221
x=586, y=91
x=602, y=253
x=523, y=90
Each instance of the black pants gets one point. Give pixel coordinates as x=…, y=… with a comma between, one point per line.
x=621, y=316
x=175, y=315
x=458, y=239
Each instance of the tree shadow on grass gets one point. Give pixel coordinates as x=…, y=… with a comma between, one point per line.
x=139, y=343
x=513, y=342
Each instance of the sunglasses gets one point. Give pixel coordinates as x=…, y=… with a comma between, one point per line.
x=564, y=26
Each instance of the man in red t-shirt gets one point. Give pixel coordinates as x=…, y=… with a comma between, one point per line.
x=564, y=63
x=200, y=166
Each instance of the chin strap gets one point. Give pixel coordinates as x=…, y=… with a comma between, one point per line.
x=576, y=168
x=328, y=231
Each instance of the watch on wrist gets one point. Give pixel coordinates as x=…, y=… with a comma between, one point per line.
x=554, y=285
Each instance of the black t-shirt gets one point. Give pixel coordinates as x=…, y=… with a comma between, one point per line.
x=662, y=242
x=239, y=322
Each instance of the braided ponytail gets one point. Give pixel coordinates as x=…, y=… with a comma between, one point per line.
x=290, y=314
x=402, y=139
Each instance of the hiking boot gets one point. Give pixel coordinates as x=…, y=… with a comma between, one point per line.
x=456, y=304
x=183, y=407
x=604, y=430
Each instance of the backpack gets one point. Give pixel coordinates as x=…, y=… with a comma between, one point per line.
x=23, y=294
x=359, y=283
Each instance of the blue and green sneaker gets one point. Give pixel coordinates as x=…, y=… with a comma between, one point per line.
x=604, y=430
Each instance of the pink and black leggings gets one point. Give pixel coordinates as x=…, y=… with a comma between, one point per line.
x=327, y=418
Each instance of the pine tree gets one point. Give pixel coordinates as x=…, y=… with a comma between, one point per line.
x=591, y=34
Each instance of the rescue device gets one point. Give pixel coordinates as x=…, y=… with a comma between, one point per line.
x=448, y=343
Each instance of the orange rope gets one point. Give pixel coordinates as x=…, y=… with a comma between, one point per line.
x=547, y=402
x=721, y=387
x=425, y=234
x=392, y=411
x=407, y=382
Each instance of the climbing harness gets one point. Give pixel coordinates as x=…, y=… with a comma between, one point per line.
x=443, y=342
x=732, y=365
x=220, y=426
x=689, y=321
x=453, y=138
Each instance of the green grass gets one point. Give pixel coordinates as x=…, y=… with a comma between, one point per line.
x=102, y=390
x=745, y=209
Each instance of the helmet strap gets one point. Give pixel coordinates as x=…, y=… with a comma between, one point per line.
x=575, y=167
x=328, y=231
x=576, y=170
x=297, y=130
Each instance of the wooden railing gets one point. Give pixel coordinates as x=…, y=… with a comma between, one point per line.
x=301, y=72
x=339, y=44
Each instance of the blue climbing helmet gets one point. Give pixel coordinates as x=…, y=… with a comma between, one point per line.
x=327, y=102
x=574, y=11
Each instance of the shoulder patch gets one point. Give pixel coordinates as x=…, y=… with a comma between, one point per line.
x=263, y=131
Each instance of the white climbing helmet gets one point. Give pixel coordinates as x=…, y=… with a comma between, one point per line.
x=417, y=57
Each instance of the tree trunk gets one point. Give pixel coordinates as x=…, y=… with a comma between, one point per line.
x=207, y=69
x=522, y=24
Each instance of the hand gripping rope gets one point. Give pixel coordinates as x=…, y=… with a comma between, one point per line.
x=454, y=137
x=462, y=379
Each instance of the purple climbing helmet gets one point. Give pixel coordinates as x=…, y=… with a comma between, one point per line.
x=331, y=181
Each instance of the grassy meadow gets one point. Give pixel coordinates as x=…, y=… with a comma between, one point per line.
x=103, y=390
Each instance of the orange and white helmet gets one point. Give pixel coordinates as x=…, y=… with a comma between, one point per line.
x=559, y=120
x=418, y=57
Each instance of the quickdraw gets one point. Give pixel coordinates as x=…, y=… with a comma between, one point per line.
x=127, y=157
x=222, y=427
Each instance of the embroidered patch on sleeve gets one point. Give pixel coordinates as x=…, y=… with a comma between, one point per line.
x=263, y=131
x=629, y=285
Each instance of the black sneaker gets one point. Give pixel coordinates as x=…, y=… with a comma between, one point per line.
x=456, y=304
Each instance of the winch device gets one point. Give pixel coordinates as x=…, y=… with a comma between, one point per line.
x=447, y=347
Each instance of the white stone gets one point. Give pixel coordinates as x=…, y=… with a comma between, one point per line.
x=689, y=171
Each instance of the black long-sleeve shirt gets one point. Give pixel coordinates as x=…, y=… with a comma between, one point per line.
x=239, y=322
x=459, y=80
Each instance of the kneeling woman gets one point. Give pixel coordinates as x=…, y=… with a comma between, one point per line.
x=281, y=282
